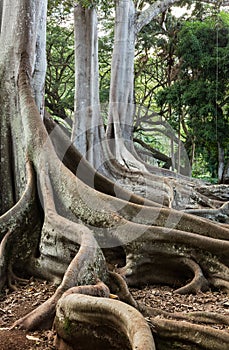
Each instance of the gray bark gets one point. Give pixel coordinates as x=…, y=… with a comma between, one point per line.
x=87, y=133
x=122, y=71
x=39, y=71
x=220, y=163
x=1, y=7
x=121, y=102
x=151, y=12
x=159, y=6
x=226, y=173
x=14, y=44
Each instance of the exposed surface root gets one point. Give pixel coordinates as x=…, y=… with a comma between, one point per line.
x=118, y=286
x=221, y=214
x=4, y=264
x=199, y=282
x=220, y=192
x=12, y=279
x=7, y=251
x=161, y=245
x=15, y=216
x=220, y=283
x=93, y=321
x=75, y=162
x=202, y=317
x=21, y=223
x=80, y=270
x=202, y=337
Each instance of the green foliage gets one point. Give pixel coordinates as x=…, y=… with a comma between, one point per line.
x=200, y=90
x=105, y=54
x=59, y=11
x=87, y=3
x=106, y=42
x=60, y=79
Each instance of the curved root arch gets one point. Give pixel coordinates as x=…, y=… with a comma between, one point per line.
x=109, y=319
x=19, y=228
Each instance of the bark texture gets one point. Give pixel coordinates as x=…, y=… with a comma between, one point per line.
x=55, y=225
x=88, y=131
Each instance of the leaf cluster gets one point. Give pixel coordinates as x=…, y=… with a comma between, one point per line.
x=199, y=92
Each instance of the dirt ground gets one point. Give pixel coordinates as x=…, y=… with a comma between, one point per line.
x=15, y=304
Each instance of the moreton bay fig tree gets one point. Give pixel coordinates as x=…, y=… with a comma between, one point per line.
x=64, y=222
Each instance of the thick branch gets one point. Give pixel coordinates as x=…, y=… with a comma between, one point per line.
x=155, y=153
x=160, y=6
x=151, y=12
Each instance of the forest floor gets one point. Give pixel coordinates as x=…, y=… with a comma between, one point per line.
x=15, y=304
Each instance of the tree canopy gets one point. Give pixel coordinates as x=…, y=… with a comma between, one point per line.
x=199, y=93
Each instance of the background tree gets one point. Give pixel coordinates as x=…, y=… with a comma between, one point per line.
x=117, y=157
x=198, y=97
x=158, y=40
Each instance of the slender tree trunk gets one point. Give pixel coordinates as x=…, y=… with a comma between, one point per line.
x=226, y=173
x=39, y=69
x=1, y=7
x=221, y=163
x=88, y=130
x=121, y=102
x=122, y=72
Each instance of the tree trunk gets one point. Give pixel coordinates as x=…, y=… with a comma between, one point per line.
x=55, y=226
x=88, y=130
x=220, y=163
x=226, y=173
x=21, y=220
x=121, y=102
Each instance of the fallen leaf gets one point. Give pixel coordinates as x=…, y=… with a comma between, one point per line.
x=30, y=337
